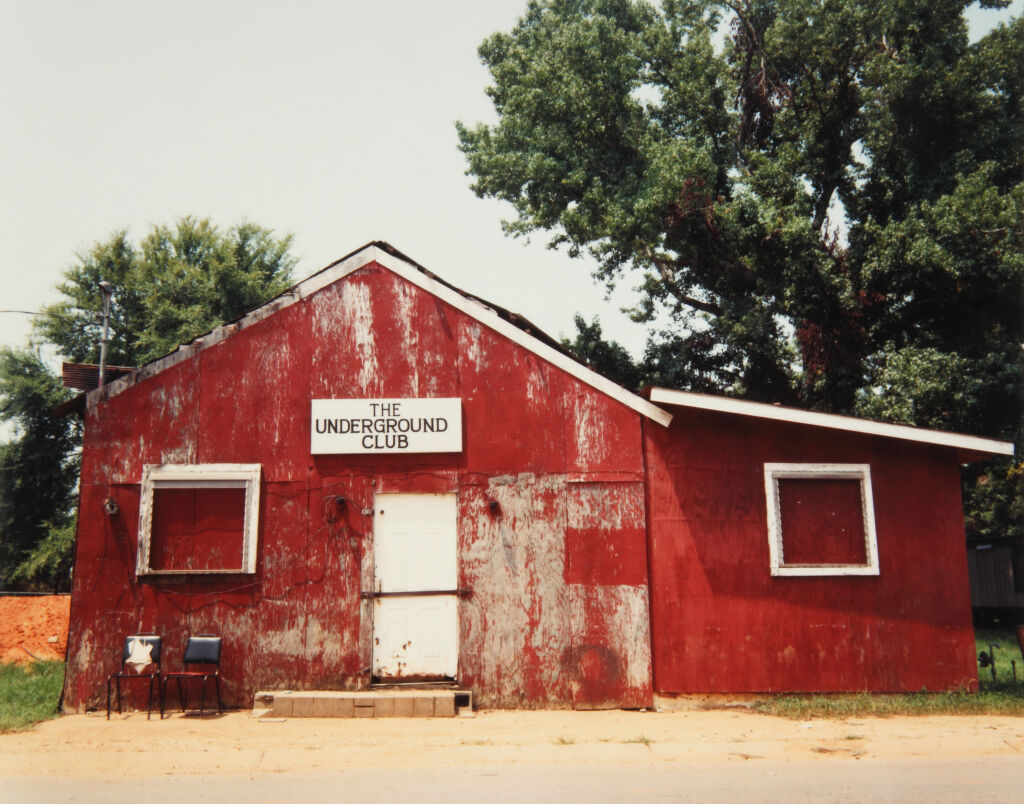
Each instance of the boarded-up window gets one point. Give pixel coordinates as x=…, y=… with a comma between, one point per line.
x=199, y=518
x=820, y=519
x=197, y=528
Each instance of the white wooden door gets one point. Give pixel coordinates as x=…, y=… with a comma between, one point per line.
x=415, y=612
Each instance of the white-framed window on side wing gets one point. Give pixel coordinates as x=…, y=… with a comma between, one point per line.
x=821, y=519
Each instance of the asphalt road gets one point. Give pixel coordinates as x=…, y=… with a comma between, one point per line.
x=990, y=780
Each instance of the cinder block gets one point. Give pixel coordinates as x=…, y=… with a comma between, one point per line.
x=404, y=707
x=361, y=710
x=343, y=707
x=423, y=707
x=283, y=705
x=444, y=706
x=302, y=706
x=383, y=707
x=332, y=706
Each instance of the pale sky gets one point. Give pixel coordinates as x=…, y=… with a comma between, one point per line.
x=333, y=121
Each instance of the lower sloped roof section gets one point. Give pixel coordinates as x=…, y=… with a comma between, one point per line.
x=969, y=448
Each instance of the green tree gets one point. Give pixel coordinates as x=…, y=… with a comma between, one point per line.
x=38, y=476
x=690, y=363
x=606, y=357
x=180, y=281
x=825, y=196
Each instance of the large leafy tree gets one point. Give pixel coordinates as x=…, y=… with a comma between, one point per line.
x=825, y=197
x=180, y=281
x=38, y=471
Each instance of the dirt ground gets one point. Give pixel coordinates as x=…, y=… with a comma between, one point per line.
x=33, y=627
x=85, y=746
x=89, y=746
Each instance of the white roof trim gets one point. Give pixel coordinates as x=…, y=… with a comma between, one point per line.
x=760, y=410
x=485, y=315
x=471, y=307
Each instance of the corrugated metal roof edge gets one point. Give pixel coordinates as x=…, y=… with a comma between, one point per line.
x=86, y=376
x=383, y=253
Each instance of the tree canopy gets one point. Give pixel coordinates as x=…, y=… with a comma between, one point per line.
x=833, y=183
x=180, y=281
x=825, y=197
x=38, y=474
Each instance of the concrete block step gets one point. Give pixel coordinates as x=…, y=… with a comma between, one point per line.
x=370, y=703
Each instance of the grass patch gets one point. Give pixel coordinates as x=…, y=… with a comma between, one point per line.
x=29, y=694
x=1007, y=701
x=641, y=740
x=1007, y=652
x=1000, y=698
x=564, y=741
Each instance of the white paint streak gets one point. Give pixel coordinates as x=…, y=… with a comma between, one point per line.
x=185, y=453
x=358, y=311
x=273, y=362
x=606, y=507
x=515, y=623
x=324, y=643
x=405, y=309
x=288, y=642
x=471, y=346
x=626, y=626
x=592, y=442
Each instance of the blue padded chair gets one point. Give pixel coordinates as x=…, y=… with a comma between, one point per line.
x=141, y=653
x=202, y=661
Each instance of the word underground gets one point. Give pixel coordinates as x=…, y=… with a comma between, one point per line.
x=387, y=429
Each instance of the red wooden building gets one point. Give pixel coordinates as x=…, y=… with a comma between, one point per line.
x=376, y=476
x=800, y=551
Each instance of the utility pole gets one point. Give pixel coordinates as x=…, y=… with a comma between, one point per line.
x=106, y=289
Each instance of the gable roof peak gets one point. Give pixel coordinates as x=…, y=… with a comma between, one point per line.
x=511, y=325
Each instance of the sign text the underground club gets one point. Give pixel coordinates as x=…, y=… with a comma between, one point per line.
x=362, y=426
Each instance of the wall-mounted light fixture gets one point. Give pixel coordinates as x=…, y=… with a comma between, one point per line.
x=110, y=506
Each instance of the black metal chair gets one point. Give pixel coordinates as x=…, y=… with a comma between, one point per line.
x=141, y=653
x=203, y=650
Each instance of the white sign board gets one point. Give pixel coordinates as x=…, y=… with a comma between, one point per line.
x=373, y=426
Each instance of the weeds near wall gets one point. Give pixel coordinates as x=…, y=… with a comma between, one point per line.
x=1003, y=697
x=29, y=693
x=987, y=702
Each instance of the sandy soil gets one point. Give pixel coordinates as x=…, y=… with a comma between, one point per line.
x=90, y=746
x=84, y=746
x=33, y=627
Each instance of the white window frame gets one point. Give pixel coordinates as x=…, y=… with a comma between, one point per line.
x=200, y=476
x=861, y=472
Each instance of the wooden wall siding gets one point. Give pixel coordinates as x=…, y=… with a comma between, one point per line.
x=822, y=521
x=992, y=579
x=722, y=623
x=197, y=529
x=558, y=613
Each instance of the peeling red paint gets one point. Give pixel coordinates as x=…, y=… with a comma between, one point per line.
x=571, y=516
x=550, y=573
